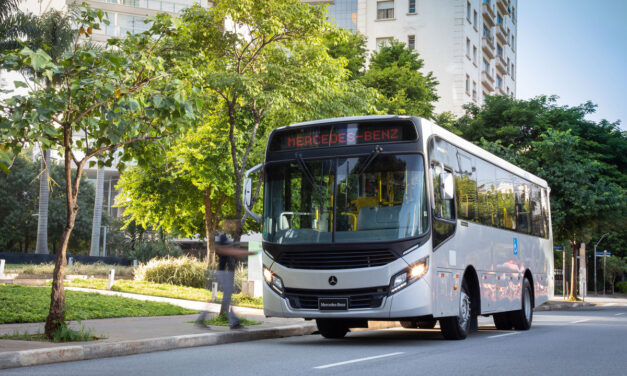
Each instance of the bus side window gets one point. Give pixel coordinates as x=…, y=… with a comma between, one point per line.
x=443, y=208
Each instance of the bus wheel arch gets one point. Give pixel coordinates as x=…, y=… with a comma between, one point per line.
x=472, y=282
x=529, y=276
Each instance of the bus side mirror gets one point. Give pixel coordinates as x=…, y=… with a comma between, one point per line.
x=448, y=186
x=248, y=192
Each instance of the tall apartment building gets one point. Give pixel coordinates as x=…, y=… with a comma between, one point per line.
x=469, y=45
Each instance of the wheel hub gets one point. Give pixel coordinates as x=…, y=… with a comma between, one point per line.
x=464, y=310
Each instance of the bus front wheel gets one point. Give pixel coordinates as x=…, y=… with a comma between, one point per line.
x=332, y=328
x=458, y=327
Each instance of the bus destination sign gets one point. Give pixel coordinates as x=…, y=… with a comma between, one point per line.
x=343, y=135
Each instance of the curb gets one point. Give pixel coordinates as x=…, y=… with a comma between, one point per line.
x=34, y=357
x=565, y=306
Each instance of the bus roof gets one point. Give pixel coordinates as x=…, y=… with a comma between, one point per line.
x=435, y=130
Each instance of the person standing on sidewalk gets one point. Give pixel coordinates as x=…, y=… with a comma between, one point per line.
x=228, y=253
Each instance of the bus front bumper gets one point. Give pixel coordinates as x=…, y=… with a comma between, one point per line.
x=412, y=301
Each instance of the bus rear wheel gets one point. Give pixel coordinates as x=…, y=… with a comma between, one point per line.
x=458, y=327
x=426, y=324
x=522, y=318
x=409, y=324
x=501, y=321
x=332, y=328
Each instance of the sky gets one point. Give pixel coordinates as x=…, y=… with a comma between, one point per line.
x=576, y=50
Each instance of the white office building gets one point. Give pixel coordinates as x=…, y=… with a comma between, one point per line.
x=469, y=45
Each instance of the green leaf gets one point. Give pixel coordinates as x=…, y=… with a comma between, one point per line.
x=20, y=84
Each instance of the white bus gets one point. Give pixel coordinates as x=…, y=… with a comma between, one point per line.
x=395, y=218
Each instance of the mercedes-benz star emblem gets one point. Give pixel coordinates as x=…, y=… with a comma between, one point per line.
x=333, y=280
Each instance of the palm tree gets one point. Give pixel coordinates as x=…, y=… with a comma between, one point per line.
x=52, y=32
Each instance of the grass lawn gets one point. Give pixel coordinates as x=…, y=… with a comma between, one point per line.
x=165, y=290
x=20, y=304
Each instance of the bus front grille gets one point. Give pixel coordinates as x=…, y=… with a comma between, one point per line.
x=322, y=260
x=362, y=298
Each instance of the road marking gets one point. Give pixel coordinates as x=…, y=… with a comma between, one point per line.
x=577, y=322
x=503, y=335
x=358, y=360
x=618, y=314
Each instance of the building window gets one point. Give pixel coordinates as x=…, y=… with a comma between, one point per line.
x=499, y=19
x=468, y=11
x=468, y=48
x=412, y=6
x=513, y=72
x=513, y=43
x=499, y=50
x=474, y=54
x=468, y=84
x=508, y=66
x=499, y=81
x=385, y=10
x=483, y=97
x=474, y=19
x=381, y=42
x=474, y=90
x=411, y=42
x=486, y=66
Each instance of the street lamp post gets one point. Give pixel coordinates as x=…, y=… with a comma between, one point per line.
x=595, y=263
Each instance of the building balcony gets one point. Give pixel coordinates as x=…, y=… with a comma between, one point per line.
x=501, y=33
x=500, y=91
x=501, y=65
x=488, y=20
x=502, y=6
x=487, y=81
x=488, y=8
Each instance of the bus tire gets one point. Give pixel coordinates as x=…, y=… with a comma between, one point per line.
x=522, y=318
x=331, y=328
x=502, y=321
x=458, y=327
x=409, y=324
x=426, y=324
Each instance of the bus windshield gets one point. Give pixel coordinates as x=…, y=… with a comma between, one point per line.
x=362, y=199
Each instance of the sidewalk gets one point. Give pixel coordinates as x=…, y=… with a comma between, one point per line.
x=135, y=335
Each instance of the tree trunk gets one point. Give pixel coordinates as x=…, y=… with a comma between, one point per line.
x=44, y=196
x=209, y=227
x=97, y=221
x=56, y=314
x=573, y=270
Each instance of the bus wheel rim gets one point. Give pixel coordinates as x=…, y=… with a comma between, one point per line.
x=464, y=310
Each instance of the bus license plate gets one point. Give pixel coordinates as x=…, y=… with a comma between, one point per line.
x=333, y=304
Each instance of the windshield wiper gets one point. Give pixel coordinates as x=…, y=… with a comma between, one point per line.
x=308, y=174
x=373, y=155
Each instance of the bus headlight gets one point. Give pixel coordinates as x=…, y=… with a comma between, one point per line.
x=273, y=280
x=409, y=275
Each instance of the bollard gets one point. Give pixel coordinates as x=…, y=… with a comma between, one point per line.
x=111, y=278
x=2, y=268
x=134, y=262
x=70, y=261
x=214, y=291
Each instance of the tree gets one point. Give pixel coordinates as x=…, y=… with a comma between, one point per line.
x=614, y=267
x=109, y=100
x=342, y=43
x=267, y=68
x=394, y=71
x=18, y=208
x=543, y=138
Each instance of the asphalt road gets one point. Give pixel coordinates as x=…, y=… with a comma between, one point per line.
x=590, y=342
